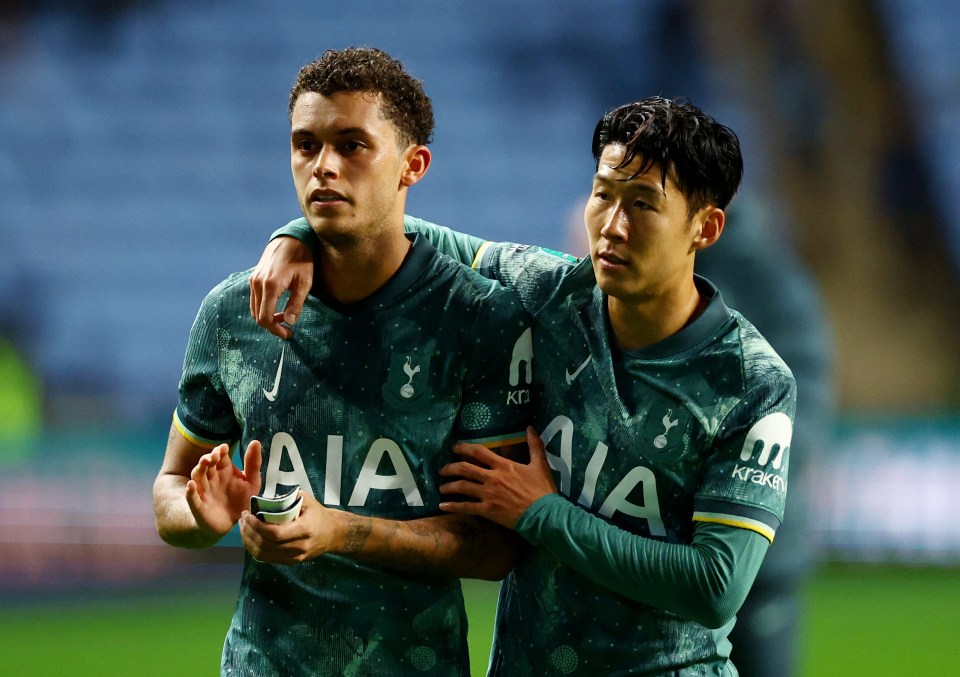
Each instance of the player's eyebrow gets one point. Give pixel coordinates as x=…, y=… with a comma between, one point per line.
x=346, y=131
x=652, y=191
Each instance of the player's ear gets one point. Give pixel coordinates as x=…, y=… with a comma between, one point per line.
x=709, y=223
x=416, y=162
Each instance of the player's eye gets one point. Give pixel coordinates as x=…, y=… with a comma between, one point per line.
x=351, y=146
x=306, y=146
x=640, y=204
x=600, y=195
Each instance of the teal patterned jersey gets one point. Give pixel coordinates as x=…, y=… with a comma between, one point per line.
x=360, y=408
x=685, y=439
x=695, y=428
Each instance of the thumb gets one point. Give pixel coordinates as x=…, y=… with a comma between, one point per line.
x=538, y=455
x=252, y=460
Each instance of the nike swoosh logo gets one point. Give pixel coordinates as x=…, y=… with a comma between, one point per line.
x=272, y=395
x=574, y=375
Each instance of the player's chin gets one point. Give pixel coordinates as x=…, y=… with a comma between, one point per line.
x=611, y=285
x=336, y=232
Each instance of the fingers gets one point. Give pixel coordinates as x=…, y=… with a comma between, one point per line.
x=266, y=314
x=286, y=264
x=299, y=288
x=477, y=453
x=273, y=543
x=265, y=293
x=470, y=471
x=194, y=496
x=463, y=507
x=254, y=296
x=462, y=488
x=207, y=471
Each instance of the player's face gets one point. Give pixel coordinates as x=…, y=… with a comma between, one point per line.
x=347, y=166
x=641, y=241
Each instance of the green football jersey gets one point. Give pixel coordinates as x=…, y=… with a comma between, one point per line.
x=360, y=408
x=694, y=428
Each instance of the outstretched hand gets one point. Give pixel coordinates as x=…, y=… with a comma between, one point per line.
x=286, y=263
x=218, y=491
x=496, y=487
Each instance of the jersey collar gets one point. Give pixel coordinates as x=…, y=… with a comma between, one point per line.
x=420, y=254
x=711, y=320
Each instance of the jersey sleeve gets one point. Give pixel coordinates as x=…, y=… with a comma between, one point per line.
x=534, y=273
x=705, y=581
x=204, y=413
x=298, y=229
x=458, y=246
x=745, y=479
x=496, y=394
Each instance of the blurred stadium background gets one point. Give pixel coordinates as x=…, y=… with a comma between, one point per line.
x=143, y=156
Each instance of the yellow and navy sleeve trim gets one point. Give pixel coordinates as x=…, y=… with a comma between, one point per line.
x=480, y=252
x=737, y=515
x=193, y=438
x=736, y=521
x=499, y=440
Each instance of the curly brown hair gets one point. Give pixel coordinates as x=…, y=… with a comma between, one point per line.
x=366, y=69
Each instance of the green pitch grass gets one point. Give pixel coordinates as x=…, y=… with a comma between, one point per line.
x=863, y=621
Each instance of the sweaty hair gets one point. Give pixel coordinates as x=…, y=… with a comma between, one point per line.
x=703, y=154
x=365, y=69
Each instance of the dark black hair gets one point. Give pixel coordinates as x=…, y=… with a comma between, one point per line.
x=703, y=154
x=366, y=69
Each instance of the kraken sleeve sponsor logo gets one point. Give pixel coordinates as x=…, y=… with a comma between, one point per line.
x=770, y=435
x=766, y=444
x=522, y=360
x=521, y=368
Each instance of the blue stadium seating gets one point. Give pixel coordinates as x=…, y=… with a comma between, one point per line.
x=144, y=157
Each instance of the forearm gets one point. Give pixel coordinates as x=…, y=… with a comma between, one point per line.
x=175, y=522
x=706, y=581
x=458, y=246
x=448, y=545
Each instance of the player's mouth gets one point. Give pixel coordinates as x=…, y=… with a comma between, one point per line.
x=610, y=261
x=324, y=197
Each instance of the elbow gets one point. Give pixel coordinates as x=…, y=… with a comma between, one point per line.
x=168, y=535
x=190, y=539
x=714, y=617
x=717, y=610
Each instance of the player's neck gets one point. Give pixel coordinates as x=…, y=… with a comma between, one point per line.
x=351, y=273
x=640, y=323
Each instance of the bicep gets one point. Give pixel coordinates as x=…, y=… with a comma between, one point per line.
x=181, y=455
